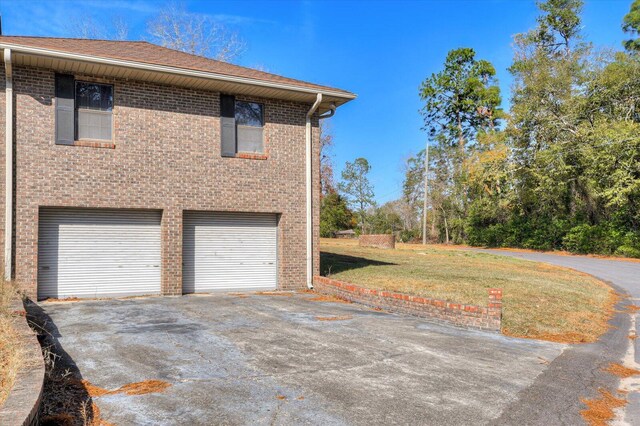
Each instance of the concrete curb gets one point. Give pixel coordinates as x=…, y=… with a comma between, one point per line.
x=22, y=405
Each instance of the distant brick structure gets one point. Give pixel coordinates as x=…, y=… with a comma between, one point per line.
x=383, y=241
x=469, y=316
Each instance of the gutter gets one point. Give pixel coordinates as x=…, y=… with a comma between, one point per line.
x=309, y=181
x=171, y=70
x=8, y=144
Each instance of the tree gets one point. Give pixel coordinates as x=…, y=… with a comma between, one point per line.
x=631, y=26
x=176, y=28
x=357, y=189
x=88, y=28
x=460, y=102
x=386, y=219
x=461, y=99
x=327, y=184
x=334, y=215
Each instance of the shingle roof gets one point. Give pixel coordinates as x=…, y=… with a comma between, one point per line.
x=148, y=53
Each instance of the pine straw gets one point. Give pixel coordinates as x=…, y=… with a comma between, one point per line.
x=600, y=410
x=621, y=371
x=328, y=298
x=336, y=318
x=142, y=388
x=11, y=346
x=137, y=388
x=70, y=401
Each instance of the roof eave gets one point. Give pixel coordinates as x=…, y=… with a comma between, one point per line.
x=343, y=97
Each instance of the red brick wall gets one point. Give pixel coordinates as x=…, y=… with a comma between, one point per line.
x=166, y=157
x=471, y=316
x=383, y=241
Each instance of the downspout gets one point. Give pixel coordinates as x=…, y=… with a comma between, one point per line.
x=309, y=183
x=308, y=155
x=8, y=144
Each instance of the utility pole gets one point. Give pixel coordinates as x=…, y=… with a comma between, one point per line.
x=426, y=194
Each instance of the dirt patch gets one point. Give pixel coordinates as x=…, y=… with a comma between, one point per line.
x=65, y=299
x=621, y=371
x=327, y=298
x=633, y=308
x=274, y=293
x=336, y=318
x=600, y=410
x=239, y=295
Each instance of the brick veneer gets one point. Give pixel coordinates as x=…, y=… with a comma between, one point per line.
x=383, y=241
x=471, y=316
x=165, y=155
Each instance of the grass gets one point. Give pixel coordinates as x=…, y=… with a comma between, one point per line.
x=539, y=301
x=11, y=350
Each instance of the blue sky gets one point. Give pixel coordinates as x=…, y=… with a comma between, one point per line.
x=379, y=50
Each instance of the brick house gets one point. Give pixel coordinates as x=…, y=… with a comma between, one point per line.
x=143, y=170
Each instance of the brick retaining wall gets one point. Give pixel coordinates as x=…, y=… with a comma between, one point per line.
x=383, y=241
x=471, y=316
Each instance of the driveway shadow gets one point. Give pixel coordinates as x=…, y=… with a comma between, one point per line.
x=332, y=263
x=65, y=398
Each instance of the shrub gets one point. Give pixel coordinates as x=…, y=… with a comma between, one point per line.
x=628, y=251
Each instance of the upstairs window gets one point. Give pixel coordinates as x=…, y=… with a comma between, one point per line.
x=94, y=111
x=242, y=126
x=84, y=110
x=249, y=122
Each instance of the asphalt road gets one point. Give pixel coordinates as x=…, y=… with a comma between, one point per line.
x=623, y=274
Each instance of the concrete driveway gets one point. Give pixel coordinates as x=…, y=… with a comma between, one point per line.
x=265, y=359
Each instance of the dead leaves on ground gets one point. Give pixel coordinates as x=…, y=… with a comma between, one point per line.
x=137, y=388
x=599, y=410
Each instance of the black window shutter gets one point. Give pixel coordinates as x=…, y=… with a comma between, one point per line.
x=228, y=125
x=65, y=113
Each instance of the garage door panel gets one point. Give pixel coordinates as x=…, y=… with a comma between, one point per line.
x=91, y=253
x=229, y=251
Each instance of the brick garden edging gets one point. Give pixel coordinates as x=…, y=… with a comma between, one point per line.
x=22, y=404
x=383, y=241
x=471, y=316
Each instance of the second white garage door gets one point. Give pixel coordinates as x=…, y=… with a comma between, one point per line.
x=229, y=251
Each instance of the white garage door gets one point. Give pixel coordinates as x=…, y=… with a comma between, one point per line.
x=93, y=253
x=229, y=251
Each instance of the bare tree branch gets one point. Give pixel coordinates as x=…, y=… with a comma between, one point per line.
x=198, y=34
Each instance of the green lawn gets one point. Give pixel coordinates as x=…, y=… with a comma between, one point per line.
x=539, y=300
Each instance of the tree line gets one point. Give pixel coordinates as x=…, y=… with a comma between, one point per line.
x=559, y=170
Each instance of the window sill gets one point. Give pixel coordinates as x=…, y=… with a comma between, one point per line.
x=94, y=144
x=250, y=156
